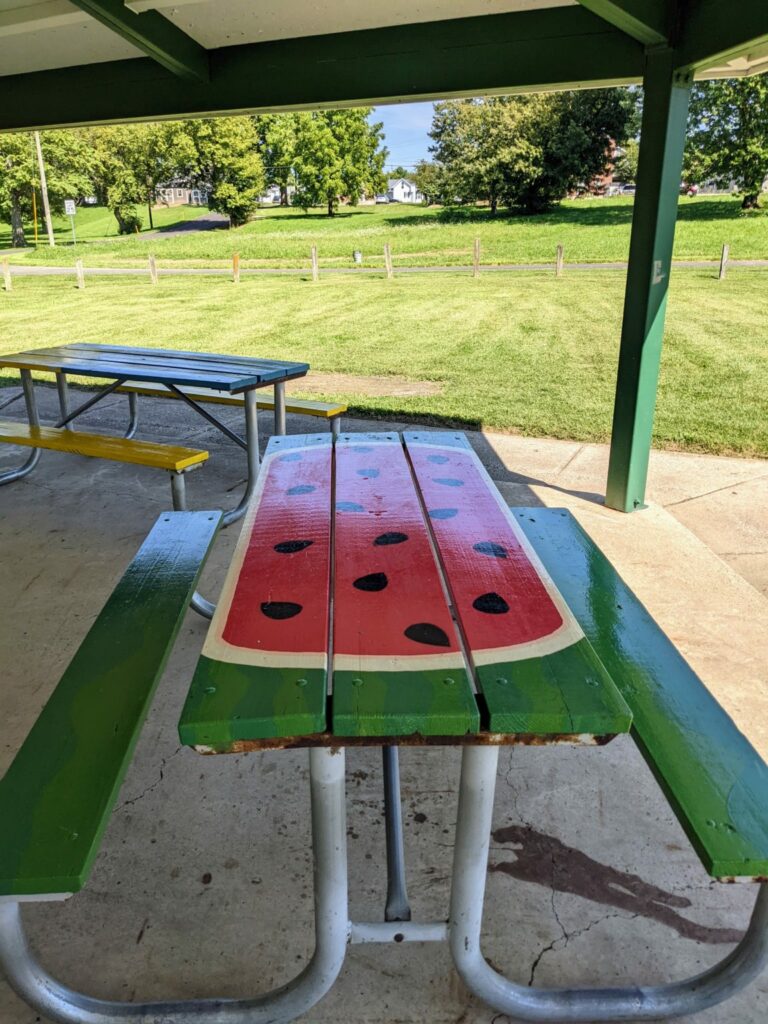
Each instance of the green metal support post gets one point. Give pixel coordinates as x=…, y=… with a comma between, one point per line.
x=662, y=140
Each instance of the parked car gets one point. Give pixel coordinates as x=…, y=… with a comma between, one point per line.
x=382, y=199
x=628, y=190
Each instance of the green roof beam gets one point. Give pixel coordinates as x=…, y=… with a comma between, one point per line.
x=717, y=31
x=154, y=35
x=647, y=21
x=553, y=48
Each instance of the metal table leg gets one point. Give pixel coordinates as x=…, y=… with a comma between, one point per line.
x=559, y=1006
x=397, y=906
x=34, y=421
x=198, y=603
x=133, y=415
x=279, y=391
x=252, y=455
x=329, y=841
x=63, y=390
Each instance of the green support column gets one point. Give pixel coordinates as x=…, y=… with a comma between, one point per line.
x=662, y=140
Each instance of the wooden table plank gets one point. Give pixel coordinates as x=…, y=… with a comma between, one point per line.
x=263, y=670
x=537, y=671
x=62, y=784
x=397, y=662
x=713, y=777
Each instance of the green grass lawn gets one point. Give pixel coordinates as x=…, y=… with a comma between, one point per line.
x=94, y=224
x=517, y=352
x=592, y=230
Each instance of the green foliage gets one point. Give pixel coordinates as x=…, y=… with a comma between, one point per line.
x=625, y=167
x=68, y=166
x=528, y=152
x=277, y=137
x=228, y=164
x=728, y=135
x=399, y=172
x=430, y=180
x=338, y=153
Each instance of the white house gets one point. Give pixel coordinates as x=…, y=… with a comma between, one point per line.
x=401, y=190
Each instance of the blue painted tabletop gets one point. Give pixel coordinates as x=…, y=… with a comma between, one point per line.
x=158, y=365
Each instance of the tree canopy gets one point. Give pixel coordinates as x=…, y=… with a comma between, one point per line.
x=527, y=152
x=337, y=153
x=728, y=135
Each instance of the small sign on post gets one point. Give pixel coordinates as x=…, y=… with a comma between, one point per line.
x=7, y=282
x=476, y=259
x=315, y=267
x=559, y=262
x=70, y=209
x=723, y=262
x=80, y=274
x=236, y=267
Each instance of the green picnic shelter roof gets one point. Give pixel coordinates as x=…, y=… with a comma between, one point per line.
x=73, y=62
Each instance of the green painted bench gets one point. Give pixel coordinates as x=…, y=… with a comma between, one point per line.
x=330, y=411
x=57, y=795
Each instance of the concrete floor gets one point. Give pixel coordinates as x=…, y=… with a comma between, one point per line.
x=203, y=884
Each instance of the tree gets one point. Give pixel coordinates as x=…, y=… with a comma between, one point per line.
x=228, y=164
x=528, y=151
x=133, y=160
x=277, y=138
x=429, y=179
x=728, y=135
x=338, y=153
x=625, y=166
x=68, y=165
x=399, y=172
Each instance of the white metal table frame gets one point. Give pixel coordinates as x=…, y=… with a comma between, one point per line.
x=334, y=932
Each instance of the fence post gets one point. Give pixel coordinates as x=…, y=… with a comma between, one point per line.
x=559, y=262
x=388, y=260
x=476, y=266
x=236, y=268
x=80, y=274
x=7, y=282
x=315, y=267
x=723, y=262
x=152, y=270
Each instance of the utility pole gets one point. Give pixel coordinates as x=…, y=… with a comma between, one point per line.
x=44, y=190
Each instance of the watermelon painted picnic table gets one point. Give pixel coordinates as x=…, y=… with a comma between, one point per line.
x=383, y=591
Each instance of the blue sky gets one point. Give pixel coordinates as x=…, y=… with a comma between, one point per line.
x=405, y=127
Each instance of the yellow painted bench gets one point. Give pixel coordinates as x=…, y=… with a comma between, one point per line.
x=174, y=458
x=331, y=411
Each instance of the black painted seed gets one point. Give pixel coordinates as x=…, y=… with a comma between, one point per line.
x=348, y=506
x=428, y=633
x=390, y=538
x=372, y=473
x=373, y=582
x=289, y=547
x=280, y=609
x=491, y=603
x=439, y=460
x=488, y=547
x=448, y=481
x=300, y=489
x=443, y=513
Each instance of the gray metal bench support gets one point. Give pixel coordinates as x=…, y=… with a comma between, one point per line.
x=56, y=1002
x=33, y=416
x=658, y=1002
